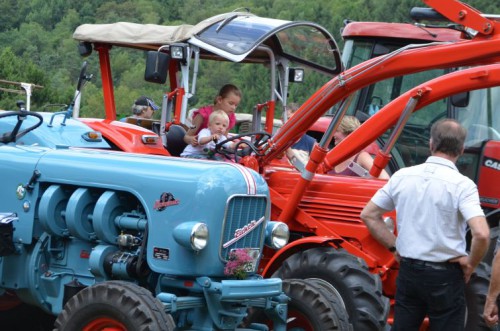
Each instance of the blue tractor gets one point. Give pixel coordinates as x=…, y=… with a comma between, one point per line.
x=94, y=239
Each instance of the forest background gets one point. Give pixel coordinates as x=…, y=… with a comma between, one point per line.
x=36, y=44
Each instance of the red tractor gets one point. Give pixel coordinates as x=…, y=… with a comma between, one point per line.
x=329, y=241
x=476, y=110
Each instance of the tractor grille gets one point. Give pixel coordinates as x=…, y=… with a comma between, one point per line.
x=241, y=210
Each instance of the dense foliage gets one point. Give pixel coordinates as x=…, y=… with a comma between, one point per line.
x=37, y=45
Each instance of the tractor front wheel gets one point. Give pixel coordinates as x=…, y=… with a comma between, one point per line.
x=360, y=290
x=311, y=308
x=114, y=305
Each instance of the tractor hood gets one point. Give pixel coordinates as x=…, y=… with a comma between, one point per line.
x=56, y=130
x=146, y=177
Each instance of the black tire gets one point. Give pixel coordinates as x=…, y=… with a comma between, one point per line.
x=309, y=309
x=116, y=304
x=360, y=290
x=336, y=301
x=475, y=296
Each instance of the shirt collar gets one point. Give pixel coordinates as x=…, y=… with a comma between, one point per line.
x=441, y=161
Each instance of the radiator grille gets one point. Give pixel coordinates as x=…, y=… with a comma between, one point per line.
x=241, y=210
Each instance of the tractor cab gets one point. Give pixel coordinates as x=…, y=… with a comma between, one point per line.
x=175, y=55
x=477, y=110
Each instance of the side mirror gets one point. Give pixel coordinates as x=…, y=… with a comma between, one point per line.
x=156, y=67
x=84, y=48
x=460, y=99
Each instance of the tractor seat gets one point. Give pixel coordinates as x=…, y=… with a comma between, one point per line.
x=175, y=140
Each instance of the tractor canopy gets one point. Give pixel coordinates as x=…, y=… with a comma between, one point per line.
x=234, y=36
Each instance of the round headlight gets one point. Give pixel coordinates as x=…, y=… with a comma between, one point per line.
x=389, y=223
x=278, y=235
x=199, y=236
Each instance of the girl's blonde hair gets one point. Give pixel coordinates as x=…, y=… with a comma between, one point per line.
x=348, y=124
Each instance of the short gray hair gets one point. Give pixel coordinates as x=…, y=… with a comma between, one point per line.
x=448, y=137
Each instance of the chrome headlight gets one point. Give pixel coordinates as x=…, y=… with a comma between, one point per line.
x=192, y=235
x=390, y=224
x=277, y=235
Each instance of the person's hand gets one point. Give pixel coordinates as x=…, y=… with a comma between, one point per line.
x=215, y=137
x=467, y=268
x=490, y=313
x=194, y=140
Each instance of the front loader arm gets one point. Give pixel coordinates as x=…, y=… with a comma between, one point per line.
x=438, y=88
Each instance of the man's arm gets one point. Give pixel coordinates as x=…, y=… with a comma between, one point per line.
x=490, y=306
x=480, y=241
x=372, y=215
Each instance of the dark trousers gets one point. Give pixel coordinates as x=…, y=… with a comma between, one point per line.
x=435, y=290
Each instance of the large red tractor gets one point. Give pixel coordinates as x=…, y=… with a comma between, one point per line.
x=476, y=110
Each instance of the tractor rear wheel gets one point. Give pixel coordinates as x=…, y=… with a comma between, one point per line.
x=360, y=290
x=115, y=305
x=311, y=308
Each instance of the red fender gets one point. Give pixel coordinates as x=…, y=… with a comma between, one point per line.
x=298, y=245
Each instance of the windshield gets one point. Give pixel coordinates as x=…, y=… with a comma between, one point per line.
x=237, y=37
x=481, y=116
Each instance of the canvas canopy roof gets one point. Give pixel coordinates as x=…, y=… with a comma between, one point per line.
x=125, y=33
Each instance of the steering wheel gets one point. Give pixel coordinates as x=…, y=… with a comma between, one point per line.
x=243, y=147
x=17, y=133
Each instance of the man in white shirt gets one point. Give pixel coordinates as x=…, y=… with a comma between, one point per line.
x=434, y=204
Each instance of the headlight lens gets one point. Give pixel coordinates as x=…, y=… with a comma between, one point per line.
x=199, y=236
x=191, y=235
x=277, y=235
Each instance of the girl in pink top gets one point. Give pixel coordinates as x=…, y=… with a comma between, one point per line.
x=227, y=100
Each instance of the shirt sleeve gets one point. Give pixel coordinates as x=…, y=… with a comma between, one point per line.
x=202, y=134
x=383, y=198
x=469, y=204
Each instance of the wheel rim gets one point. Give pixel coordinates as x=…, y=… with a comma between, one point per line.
x=104, y=324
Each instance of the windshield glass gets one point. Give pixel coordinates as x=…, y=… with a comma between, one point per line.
x=301, y=42
x=481, y=116
x=239, y=35
x=308, y=43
